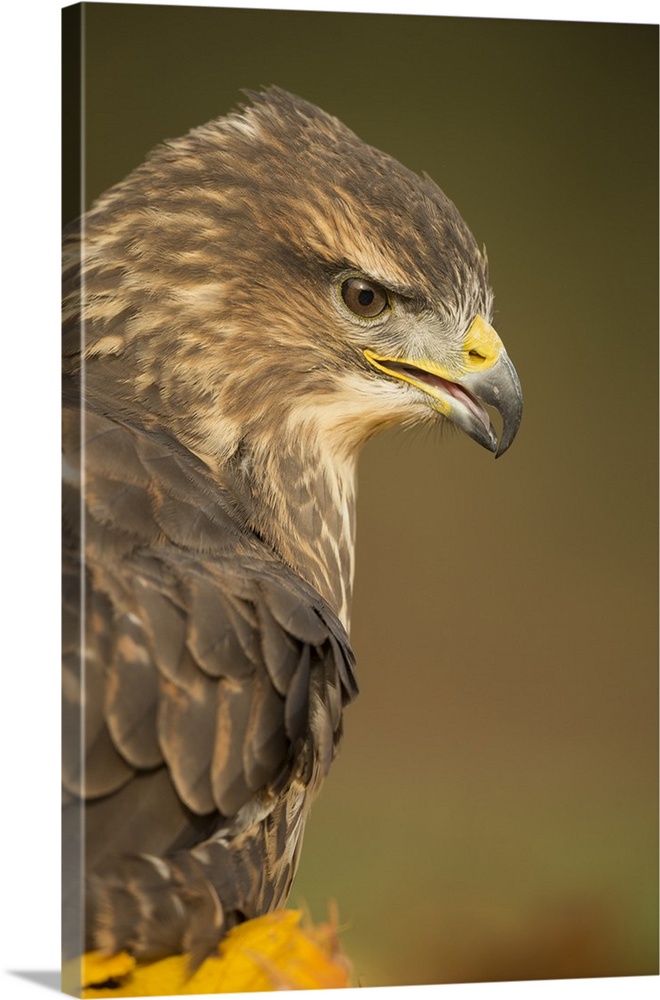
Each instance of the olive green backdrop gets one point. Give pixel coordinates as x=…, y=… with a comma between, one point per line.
x=493, y=810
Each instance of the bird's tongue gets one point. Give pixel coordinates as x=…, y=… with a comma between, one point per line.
x=451, y=388
x=467, y=399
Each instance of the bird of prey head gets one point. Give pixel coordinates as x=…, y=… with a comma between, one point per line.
x=242, y=313
x=274, y=248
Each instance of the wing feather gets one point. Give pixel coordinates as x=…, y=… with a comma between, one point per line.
x=230, y=786
x=266, y=744
x=111, y=452
x=164, y=621
x=213, y=676
x=131, y=697
x=296, y=711
x=298, y=618
x=280, y=651
x=186, y=732
x=219, y=638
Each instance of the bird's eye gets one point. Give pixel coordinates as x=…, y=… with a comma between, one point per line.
x=364, y=298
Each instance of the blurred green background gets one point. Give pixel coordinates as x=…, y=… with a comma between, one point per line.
x=493, y=810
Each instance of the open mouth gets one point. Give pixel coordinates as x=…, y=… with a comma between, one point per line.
x=495, y=385
x=442, y=386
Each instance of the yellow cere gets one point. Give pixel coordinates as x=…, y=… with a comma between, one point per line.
x=480, y=350
x=482, y=345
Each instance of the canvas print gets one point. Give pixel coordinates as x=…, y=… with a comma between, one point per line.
x=275, y=288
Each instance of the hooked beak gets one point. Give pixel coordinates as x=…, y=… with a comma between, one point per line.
x=485, y=375
x=498, y=387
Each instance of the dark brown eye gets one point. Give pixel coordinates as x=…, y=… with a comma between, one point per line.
x=364, y=298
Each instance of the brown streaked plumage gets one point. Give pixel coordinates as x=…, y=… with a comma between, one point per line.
x=223, y=366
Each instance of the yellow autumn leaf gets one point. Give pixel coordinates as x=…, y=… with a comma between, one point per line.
x=272, y=952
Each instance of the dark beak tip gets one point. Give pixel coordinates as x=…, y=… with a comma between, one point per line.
x=499, y=387
x=509, y=435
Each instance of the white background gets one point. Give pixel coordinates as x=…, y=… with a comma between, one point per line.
x=29, y=728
